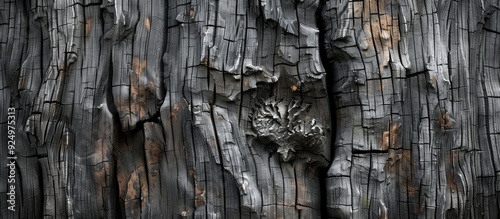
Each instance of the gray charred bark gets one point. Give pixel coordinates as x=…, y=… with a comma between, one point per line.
x=165, y=109
x=224, y=109
x=415, y=87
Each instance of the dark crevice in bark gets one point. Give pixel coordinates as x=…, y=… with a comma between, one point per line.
x=369, y=151
x=329, y=79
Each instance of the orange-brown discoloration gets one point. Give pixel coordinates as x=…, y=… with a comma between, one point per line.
x=139, y=90
x=389, y=137
x=88, y=25
x=302, y=195
x=407, y=169
x=293, y=87
x=379, y=36
x=407, y=165
x=358, y=8
x=313, y=169
x=204, y=62
x=139, y=66
x=451, y=179
x=383, y=213
x=199, y=198
x=139, y=101
x=147, y=23
x=173, y=116
x=213, y=142
x=192, y=13
x=99, y=174
x=410, y=189
x=100, y=159
x=176, y=107
x=432, y=80
x=132, y=187
x=135, y=191
x=301, y=191
x=122, y=106
x=445, y=120
x=62, y=67
x=246, y=84
x=193, y=174
x=154, y=151
x=400, y=164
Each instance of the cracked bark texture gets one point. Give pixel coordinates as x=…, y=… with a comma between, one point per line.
x=224, y=109
x=165, y=109
x=415, y=88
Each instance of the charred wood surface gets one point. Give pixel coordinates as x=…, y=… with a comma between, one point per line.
x=251, y=109
x=415, y=89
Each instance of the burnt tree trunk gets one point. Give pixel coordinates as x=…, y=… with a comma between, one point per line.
x=224, y=109
x=416, y=91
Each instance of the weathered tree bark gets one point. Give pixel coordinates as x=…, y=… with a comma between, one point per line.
x=165, y=109
x=223, y=108
x=415, y=86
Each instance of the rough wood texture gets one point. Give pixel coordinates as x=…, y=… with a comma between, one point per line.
x=165, y=109
x=223, y=108
x=415, y=88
